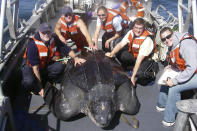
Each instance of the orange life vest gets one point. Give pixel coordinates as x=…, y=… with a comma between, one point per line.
x=136, y=3
x=72, y=27
x=109, y=25
x=124, y=6
x=135, y=43
x=175, y=58
x=45, y=54
x=71, y=31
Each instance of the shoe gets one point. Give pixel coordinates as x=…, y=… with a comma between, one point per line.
x=160, y=109
x=167, y=124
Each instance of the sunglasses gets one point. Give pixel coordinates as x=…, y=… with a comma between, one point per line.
x=68, y=14
x=167, y=37
x=101, y=15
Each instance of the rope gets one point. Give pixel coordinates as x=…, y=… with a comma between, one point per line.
x=136, y=122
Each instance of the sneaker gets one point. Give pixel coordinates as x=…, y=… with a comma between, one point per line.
x=167, y=124
x=160, y=109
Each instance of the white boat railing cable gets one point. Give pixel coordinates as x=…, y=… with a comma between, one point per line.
x=15, y=14
x=10, y=20
x=3, y=5
x=194, y=12
x=184, y=26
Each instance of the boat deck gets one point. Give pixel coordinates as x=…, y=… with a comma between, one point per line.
x=149, y=119
x=40, y=118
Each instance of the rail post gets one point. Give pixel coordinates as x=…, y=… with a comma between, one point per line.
x=194, y=12
x=181, y=121
x=185, y=109
x=3, y=5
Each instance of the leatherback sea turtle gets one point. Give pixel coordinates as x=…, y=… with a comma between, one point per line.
x=97, y=88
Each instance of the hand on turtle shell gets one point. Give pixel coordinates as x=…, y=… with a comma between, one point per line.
x=79, y=61
x=108, y=54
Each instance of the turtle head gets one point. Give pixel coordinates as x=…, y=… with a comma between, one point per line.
x=101, y=112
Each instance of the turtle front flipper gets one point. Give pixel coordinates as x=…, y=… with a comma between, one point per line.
x=65, y=103
x=127, y=98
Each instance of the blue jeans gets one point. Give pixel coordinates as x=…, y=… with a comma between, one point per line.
x=168, y=97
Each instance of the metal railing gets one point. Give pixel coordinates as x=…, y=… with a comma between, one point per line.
x=9, y=12
x=3, y=6
x=194, y=12
x=160, y=21
x=12, y=20
x=191, y=13
x=184, y=24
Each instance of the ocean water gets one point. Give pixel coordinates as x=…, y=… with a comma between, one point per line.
x=170, y=5
x=26, y=6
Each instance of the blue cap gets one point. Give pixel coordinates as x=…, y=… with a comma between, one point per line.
x=67, y=10
x=45, y=27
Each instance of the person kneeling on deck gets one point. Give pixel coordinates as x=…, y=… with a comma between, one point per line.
x=70, y=26
x=114, y=23
x=135, y=49
x=39, y=60
x=183, y=56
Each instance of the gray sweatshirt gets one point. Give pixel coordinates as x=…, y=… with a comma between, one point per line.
x=188, y=51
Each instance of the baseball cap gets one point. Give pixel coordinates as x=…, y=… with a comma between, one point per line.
x=45, y=27
x=67, y=10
